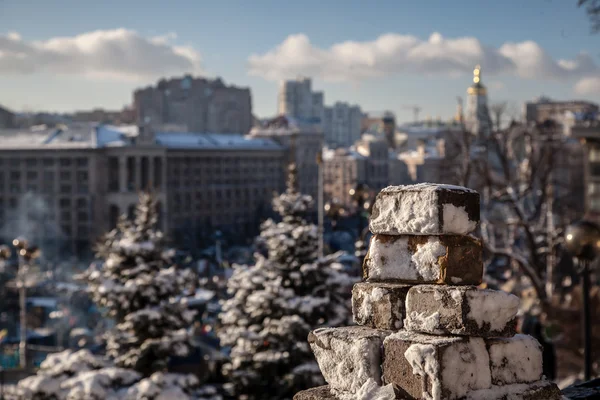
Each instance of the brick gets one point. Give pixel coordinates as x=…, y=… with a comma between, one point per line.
x=425, y=209
x=515, y=360
x=435, y=367
x=348, y=356
x=461, y=310
x=540, y=390
x=379, y=305
x=317, y=393
x=448, y=259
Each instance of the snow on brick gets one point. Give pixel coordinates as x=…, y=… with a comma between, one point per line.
x=348, y=357
x=379, y=305
x=435, y=367
x=449, y=259
x=425, y=209
x=461, y=310
x=541, y=390
x=515, y=360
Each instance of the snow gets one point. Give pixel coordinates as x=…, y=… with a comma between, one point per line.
x=427, y=323
x=369, y=391
x=348, y=362
x=423, y=360
x=492, y=307
x=392, y=260
x=509, y=392
x=457, y=220
x=515, y=360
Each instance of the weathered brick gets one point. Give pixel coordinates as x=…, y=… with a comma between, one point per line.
x=434, y=367
x=317, y=393
x=515, y=360
x=461, y=310
x=425, y=209
x=540, y=390
x=348, y=356
x=449, y=259
x=379, y=305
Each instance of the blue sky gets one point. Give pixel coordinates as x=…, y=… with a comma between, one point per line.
x=50, y=60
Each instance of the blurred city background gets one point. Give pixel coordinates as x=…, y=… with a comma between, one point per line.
x=215, y=110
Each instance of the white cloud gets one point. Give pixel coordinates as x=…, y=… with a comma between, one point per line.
x=587, y=86
x=112, y=54
x=392, y=53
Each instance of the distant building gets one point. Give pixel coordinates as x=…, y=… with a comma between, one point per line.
x=342, y=124
x=543, y=109
x=199, y=104
x=477, y=118
x=345, y=168
x=88, y=176
x=297, y=100
x=303, y=141
x=383, y=125
x=7, y=119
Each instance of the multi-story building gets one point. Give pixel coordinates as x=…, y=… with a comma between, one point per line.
x=198, y=104
x=297, y=100
x=543, y=108
x=341, y=125
x=304, y=142
x=383, y=125
x=345, y=168
x=7, y=119
x=87, y=177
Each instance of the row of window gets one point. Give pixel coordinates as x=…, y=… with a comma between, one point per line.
x=45, y=162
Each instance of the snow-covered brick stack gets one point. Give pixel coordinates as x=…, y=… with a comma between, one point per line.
x=427, y=331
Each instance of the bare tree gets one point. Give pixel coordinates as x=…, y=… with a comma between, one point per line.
x=522, y=216
x=592, y=8
x=498, y=110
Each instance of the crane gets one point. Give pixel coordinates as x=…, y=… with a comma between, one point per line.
x=415, y=109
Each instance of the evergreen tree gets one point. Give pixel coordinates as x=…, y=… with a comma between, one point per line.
x=278, y=301
x=140, y=289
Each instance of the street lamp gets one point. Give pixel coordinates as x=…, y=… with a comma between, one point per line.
x=25, y=254
x=582, y=240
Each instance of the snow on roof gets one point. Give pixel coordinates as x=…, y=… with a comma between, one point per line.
x=73, y=136
x=187, y=140
x=115, y=136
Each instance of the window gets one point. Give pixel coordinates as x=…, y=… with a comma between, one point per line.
x=82, y=216
x=595, y=154
x=30, y=162
x=66, y=229
x=65, y=162
x=15, y=175
x=65, y=175
x=65, y=215
x=48, y=162
x=65, y=202
x=64, y=189
x=82, y=162
x=81, y=202
x=32, y=175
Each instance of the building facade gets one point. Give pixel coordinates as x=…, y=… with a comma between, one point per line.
x=297, y=100
x=544, y=108
x=367, y=162
x=84, y=178
x=198, y=104
x=7, y=119
x=304, y=142
x=342, y=125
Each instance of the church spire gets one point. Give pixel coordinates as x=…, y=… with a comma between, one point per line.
x=477, y=74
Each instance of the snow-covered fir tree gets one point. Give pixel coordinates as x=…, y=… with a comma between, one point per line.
x=277, y=301
x=141, y=290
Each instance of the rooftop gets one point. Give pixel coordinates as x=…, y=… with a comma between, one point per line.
x=81, y=136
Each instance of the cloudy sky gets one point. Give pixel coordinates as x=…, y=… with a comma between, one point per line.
x=63, y=55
